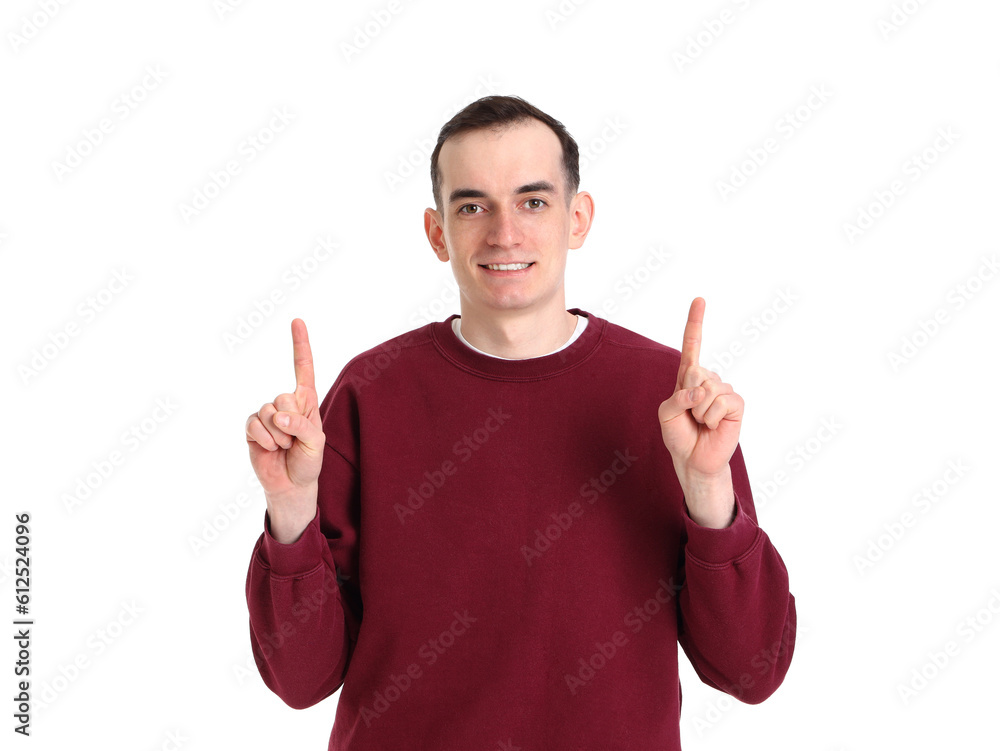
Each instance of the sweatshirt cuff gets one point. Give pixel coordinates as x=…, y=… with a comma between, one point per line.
x=720, y=546
x=294, y=558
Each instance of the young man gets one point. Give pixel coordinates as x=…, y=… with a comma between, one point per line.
x=495, y=529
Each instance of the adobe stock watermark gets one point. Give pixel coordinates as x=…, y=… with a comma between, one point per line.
x=922, y=502
x=439, y=307
x=31, y=25
x=303, y=609
x=899, y=15
x=225, y=515
x=634, y=621
x=928, y=327
x=707, y=35
x=172, y=740
x=591, y=491
x=752, y=329
x=785, y=126
x=558, y=14
x=264, y=306
x=628, y=284
x=485, y=86
x=374, y=365
x=121, y=108
x=914, y=168
x=418, y=159
x=85, y=314
x=464, y=449
x=798, y=458
x=428, y=653
x=940, y=658
x=223, y=8
x=7, y=569
x=246, y=152
x=761, y=664
x=591, y=151
x=102, y=469
x=96, y=644
x=367, y=32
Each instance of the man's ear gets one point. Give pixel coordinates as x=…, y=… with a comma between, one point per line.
x=581, y=216
x=434, y=229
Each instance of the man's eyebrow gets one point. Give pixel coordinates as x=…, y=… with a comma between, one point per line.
x=539, y=186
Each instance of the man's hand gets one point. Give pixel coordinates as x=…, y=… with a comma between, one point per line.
x=701, y=427
x=286, y=443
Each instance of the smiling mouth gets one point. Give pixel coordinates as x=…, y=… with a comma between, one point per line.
x=506, y=266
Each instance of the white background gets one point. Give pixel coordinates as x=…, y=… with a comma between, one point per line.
x=349, y=168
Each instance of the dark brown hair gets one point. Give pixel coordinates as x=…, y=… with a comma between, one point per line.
x=497, y=112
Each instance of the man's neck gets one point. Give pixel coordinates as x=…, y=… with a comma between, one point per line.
x=517, y=334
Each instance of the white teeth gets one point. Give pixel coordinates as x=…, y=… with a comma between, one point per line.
x=507, y=266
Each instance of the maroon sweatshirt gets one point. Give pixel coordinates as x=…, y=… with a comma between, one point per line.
x=502, y=557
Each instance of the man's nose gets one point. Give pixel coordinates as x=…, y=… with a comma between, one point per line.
x=504, y=230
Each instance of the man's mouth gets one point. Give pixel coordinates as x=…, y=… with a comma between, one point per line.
x=506, y=266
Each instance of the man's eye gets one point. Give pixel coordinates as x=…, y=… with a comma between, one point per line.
x=536, y=199
x=461, y=209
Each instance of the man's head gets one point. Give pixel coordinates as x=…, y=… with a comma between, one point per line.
x=505, y=178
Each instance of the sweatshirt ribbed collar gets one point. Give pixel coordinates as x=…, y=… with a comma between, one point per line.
x=530, y=369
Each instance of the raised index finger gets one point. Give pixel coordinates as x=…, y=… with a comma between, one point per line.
x=302, y=353
x=691, y=347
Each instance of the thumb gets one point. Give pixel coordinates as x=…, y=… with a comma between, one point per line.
x=305, y=432
x=679, y=402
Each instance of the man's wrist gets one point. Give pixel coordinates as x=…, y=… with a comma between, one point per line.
x=710, y=500
x=287, y=529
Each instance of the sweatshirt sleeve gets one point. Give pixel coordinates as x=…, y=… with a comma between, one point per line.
x=737, y=616
x=304, y=597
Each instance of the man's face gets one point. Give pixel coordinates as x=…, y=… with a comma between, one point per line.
x=503, y=201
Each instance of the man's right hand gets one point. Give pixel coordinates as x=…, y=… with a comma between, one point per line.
x=287, y=458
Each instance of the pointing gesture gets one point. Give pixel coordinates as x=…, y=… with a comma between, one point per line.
x=700, y=422
x=286, y=443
